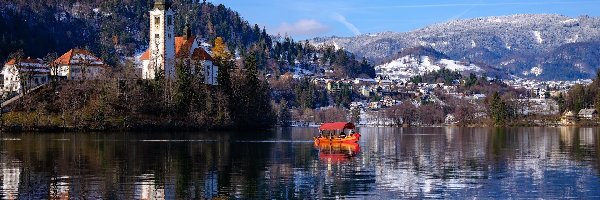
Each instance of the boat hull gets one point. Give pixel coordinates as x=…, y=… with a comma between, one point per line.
x=349, y=139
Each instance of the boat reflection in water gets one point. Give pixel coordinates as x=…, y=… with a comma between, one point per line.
x=337, y=152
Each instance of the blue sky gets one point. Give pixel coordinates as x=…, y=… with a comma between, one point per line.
x=304, y=19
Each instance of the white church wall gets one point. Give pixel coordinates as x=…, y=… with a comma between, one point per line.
x=162, y=43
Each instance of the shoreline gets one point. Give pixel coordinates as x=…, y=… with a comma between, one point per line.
x=587, y=124
x=138, y=128
x=159, y=129
x=157, y=126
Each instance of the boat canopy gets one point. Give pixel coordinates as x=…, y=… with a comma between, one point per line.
x=336, y=126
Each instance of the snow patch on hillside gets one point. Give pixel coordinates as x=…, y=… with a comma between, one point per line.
x=508, y=62
x=537, y=71
x=538, y=37
x=458, y=66
x=573, y=39
x=570, y=21
x=409, y=66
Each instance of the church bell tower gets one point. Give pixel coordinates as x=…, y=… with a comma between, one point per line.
x=162, y=40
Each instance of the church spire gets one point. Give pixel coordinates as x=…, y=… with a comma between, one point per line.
x=162, y=4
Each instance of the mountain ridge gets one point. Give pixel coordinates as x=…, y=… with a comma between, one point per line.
x=490, y=40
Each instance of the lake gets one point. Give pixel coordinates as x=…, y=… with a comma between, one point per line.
x=387, y=163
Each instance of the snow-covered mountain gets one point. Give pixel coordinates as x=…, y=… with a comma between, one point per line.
x=519, y=44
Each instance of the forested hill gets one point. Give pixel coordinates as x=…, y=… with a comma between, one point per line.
x=108, y=26
x=116, y=29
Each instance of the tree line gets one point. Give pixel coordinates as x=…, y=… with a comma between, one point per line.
x=581, y=97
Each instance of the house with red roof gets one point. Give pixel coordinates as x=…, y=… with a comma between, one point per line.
x=166, y=50
x=79, y=64
x=27, y=73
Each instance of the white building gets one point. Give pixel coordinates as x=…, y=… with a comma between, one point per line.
x=32, y=72
x=588, y=114
x=166, y=50
x=79, y=64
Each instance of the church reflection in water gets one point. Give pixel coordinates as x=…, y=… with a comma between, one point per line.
x=386, y=163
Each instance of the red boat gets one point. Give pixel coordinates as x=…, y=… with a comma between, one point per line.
x=338, y=132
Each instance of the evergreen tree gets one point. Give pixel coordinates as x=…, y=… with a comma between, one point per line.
x=251, y=72
x=284, y=114
x=498, y=110
x=305, y=94
x=597, y=101
x=343, y=98
x=251, y=106
x=576, y=98
x=183, y=88
x=366, y=68
x=561, y=102
x=471, y=81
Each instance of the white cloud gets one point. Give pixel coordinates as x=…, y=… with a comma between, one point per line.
x=341, y=19
x=303, y=27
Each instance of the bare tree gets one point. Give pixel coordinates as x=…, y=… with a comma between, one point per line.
x=464, y=112
x=161, y=82
x=431, y=114
x=85, y=61
x=408, y=113
x=53, y=66
x=393, y=113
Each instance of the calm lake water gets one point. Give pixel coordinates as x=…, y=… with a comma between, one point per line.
x=387, y=163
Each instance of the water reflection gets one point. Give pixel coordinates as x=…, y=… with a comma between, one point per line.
x=337, y=153
x=11, y=173
x=408, y=163
x=59, y=187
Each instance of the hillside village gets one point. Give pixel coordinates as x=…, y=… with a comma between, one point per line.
x=374, y=96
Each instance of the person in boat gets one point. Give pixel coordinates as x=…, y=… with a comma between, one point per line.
x=342, y=134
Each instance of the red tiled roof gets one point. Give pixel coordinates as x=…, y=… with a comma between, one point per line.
x=183, y=46
x=66, y=58
x=11, y=62
x=25, y=60
x=201, y=54
x=146, y=55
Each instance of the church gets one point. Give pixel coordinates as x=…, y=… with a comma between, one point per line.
x=165, y=49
